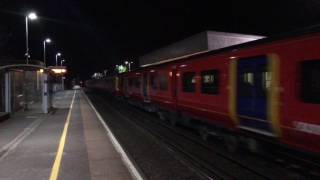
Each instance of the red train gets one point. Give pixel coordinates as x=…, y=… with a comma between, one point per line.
x=268, y=89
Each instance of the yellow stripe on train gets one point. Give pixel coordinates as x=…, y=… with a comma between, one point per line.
x=274, y=94
x=232, y=92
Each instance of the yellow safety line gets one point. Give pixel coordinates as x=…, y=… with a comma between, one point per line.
x=57, y=161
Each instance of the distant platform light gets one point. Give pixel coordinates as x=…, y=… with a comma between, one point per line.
x=59, y=70
x=121, y=69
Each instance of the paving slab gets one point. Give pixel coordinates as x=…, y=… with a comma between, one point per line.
x=29, y=144
x=104, y=161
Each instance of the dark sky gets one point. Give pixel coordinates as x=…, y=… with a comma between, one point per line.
x=97, y=34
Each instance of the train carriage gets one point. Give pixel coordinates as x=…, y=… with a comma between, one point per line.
x=268, y=88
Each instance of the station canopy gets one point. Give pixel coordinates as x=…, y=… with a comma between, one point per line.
x=196, y=44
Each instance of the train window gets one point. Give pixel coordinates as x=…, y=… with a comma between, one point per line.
x=310, y=81
x=189, y=82
x=153, y=81
x=137, y=82
x=248, y=77
x=266, y=80
x=163, y=80
x=210, y=82
x=246, y=84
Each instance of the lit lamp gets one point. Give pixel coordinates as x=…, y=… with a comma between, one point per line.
x=62, y=61
x=44, y=50
x=129, y=64
x=31, y=16
x=58, y=54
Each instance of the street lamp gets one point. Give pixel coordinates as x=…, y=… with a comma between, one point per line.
x=31, y=16
x=44, y=50
x=62, y=61
x=129, y=64
x=58, y=54
x=62, y=77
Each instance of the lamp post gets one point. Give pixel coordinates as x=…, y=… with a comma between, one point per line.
x=62, y=77
x=44, y=50
x=31, y=16
x=129, y=64
x=58, y=54
x=62, y=61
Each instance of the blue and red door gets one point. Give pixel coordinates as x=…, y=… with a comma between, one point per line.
x=253, y=81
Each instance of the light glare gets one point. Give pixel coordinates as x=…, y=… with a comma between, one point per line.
x=59, y=71
x=32, y=16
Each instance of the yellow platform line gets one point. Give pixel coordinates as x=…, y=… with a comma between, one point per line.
x=57, y=161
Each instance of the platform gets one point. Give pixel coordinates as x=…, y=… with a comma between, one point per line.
x=70, y=143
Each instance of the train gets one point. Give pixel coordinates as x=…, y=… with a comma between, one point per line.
x=262, y=91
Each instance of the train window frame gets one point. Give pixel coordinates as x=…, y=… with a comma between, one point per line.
x=309, y=83
x=163, y=82
x=189, y=87
x=213, y=87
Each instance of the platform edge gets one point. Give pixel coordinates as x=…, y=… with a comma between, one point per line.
x=125, y=158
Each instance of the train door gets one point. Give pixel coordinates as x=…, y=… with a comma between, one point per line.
x=145, y=86
x=253, y=80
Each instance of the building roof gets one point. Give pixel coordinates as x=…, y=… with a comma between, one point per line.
x=196, y=44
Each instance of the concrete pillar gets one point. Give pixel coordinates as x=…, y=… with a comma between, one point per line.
x=45, y=93
x=7, y=87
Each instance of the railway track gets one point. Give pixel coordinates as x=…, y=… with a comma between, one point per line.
x=207, y=159
x=282, y=165
x=178, y=142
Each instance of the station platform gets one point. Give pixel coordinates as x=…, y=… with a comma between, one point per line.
x=70, y=143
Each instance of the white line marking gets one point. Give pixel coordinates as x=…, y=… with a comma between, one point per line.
x=132, y=169
x=11, y=146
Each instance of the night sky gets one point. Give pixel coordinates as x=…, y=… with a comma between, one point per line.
x=94, y=35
